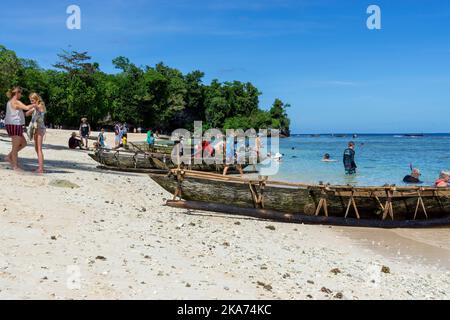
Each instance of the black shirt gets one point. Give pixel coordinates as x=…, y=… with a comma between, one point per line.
x=411, y=179
x=84, y=128
x=349, y=159
x=74, y=143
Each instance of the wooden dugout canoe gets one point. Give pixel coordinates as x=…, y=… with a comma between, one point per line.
x=386, y=206
x=156, y=148
x=139, y=161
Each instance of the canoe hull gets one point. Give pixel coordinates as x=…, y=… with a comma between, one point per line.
x=140, y=160
x=300, y=199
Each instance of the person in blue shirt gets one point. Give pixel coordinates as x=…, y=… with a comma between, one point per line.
x=101, y=139
x=150, y=138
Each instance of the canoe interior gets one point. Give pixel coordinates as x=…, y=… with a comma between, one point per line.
x=145, y=147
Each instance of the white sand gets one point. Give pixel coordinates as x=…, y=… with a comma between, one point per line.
x=165, y=253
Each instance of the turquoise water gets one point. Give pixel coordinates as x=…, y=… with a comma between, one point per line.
x=381, y=159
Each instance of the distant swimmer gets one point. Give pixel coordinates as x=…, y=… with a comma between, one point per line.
x=349, y=159
x=413, y=177
x=326, y=158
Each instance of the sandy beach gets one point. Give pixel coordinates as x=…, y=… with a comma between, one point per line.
x=78, y=232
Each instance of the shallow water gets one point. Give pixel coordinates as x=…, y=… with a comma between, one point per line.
x=381, y=159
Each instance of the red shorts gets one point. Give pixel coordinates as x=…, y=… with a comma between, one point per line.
x=14, y=130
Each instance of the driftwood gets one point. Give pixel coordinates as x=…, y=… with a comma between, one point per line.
x=299, y=218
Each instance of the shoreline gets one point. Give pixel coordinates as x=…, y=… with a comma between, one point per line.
x=126, y=244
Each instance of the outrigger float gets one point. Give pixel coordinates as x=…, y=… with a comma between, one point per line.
x=383, y=207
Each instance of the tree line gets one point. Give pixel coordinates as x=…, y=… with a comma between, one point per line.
x=147, y=96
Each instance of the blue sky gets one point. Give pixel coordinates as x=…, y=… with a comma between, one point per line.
x=317, y=55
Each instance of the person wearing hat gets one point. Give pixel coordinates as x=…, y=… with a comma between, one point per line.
x=349, y=159
x=85, y=132
x=443, y=180
x=413, y=177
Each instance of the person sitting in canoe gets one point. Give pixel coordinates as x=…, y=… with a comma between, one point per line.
x=443, y=180
x=413, y=177
x=349, y=159
x=206, y=146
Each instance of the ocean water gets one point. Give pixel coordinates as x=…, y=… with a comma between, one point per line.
x=381, y=159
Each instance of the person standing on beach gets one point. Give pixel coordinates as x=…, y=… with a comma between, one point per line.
x=150, y=139
x=14, y=122
x=101, y=139
x=125, y=130
x=38, y=121
x=117, y=138
x=85, y=132
x=349, y=159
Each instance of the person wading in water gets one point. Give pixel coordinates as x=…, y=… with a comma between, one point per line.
x=349, y=159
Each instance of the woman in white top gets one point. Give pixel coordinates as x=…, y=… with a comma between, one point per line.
x=14, y=122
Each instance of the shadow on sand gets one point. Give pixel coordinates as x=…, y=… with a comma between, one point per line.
x=61, y=167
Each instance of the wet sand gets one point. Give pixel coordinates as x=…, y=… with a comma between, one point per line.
x=424, y=246
x=78, y=232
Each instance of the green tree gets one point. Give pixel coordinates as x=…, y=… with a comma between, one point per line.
x=10, y=67
x=280, y=119
x=157, y=97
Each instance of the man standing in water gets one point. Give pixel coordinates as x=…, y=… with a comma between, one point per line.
x=349, y=159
